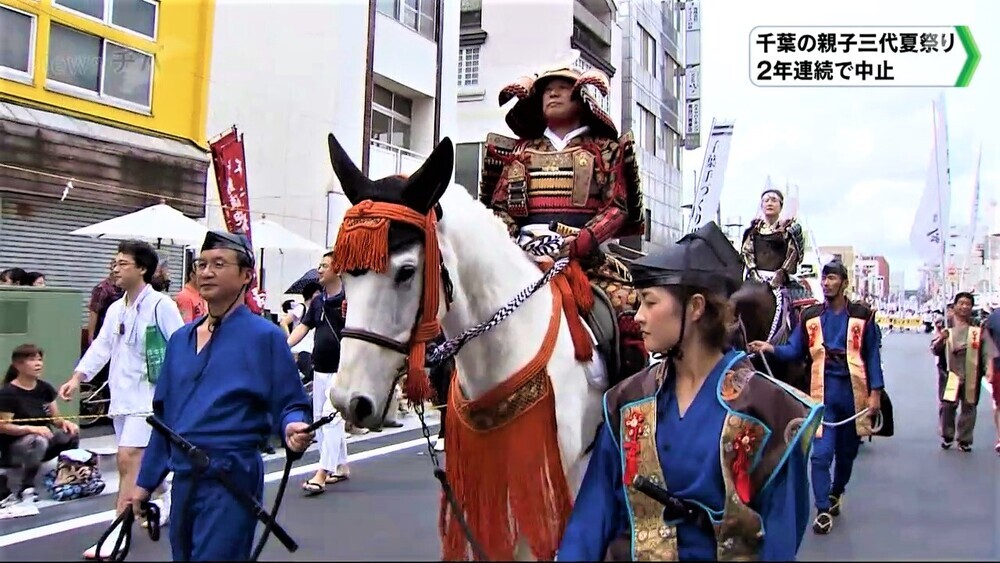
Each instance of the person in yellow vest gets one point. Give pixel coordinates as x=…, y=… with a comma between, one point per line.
x=840, y=340
x=965, y=355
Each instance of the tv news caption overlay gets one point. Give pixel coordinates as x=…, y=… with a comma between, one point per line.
x=934, y=56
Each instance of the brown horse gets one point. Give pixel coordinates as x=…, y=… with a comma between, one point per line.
x=755, y=307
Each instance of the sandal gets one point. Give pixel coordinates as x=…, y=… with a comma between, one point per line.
x=334, y=479
x=312, y=488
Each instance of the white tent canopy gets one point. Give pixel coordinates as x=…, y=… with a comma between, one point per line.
x=157, y=223
x=269, y=235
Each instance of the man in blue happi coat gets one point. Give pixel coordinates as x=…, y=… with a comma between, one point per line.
x=228, y=382
x=841, y=342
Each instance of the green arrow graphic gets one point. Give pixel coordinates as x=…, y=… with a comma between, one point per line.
x=972, y=50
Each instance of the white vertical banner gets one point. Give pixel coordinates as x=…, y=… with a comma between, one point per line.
x=926, y=235
x=713, y=171
x=974, y=215
x=942, y=163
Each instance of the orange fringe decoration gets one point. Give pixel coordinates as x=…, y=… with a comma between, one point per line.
x=509, y=479
x=363, y=244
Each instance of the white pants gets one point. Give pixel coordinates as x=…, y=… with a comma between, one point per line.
x=131, y=431
x=331, y=437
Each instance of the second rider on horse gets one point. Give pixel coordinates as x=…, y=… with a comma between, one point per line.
x=773, y=247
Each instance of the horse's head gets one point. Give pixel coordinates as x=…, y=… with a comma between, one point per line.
x=394, y=298
x=753, y=305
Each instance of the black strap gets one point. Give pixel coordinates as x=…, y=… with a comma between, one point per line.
x=123, y=543
x=201, y=462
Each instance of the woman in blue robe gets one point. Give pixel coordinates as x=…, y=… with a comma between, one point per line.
x=228, y=382
x=699, y=457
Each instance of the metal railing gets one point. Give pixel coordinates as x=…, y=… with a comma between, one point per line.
x=388, y=160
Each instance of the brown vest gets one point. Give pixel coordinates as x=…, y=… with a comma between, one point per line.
x=783, y=422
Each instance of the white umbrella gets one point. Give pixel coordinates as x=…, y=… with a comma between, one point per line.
x=268, y=234
x=159, y=223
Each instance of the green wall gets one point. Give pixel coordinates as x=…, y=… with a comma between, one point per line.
x=48, y=318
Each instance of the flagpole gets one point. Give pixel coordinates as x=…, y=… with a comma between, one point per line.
x=946, y=224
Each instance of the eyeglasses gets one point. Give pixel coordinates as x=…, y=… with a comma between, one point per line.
x=214, y=265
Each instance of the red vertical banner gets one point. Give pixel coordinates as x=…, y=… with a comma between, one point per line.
x=229, y=161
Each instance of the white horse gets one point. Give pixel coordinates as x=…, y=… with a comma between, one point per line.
x=486, y=269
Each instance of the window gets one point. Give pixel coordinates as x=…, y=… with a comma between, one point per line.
x=471, y=19
x=670, y=149
x=647, y=130
x=95, y=65
x=17, y=31
x=391, y=118
x=468, y=66
x=467, y=166
x=137, y=16
x=418, y=15
x=648, y=53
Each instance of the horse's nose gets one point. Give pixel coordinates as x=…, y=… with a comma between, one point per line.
x=361, y=408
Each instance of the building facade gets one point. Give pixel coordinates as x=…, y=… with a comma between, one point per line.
x=873, y=276
x=652, y=106
x=502, y=40
x=102, y=112
x=380, y=75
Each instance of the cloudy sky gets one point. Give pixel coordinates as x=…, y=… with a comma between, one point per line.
x=859, y=155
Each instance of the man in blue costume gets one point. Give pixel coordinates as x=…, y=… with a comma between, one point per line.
x=227, y=383
x=840, y=340
x=699, y=457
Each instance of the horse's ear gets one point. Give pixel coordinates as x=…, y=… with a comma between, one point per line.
x=351, y=179
x=426, y=186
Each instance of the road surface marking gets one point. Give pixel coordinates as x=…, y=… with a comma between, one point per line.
x=108, y=515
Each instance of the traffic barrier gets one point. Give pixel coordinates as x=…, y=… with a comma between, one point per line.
x=912, y=323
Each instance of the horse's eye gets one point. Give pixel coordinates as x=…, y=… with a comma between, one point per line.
x=404, y=274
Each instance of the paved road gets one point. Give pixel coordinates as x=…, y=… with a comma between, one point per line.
x=909, y=500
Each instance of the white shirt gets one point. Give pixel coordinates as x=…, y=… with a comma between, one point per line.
x=122, y=341
x=560, y=144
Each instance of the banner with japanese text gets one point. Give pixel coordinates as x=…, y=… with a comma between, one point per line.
x=229, y=161
x=713, y=170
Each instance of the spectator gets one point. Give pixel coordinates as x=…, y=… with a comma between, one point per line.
x=13, y=276
x=161, y=278
x=44, y=434
x=101, y=297
x=34, y=279
x=294, y=313
x=189, y=300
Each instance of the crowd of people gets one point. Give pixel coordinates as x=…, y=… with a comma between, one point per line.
x=19, y=277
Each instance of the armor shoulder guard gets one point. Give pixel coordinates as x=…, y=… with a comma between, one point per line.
x=859, y=310
x=634, y=204
x=795, y=231
x=497, y=147
x=812, y=311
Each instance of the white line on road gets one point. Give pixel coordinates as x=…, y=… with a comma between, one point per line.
x=108, y=515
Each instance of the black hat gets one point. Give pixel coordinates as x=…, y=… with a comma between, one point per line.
x=835, y=267
x=704, y=259
x=232, y=241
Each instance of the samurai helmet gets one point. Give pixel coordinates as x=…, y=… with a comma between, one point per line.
x=527, y=120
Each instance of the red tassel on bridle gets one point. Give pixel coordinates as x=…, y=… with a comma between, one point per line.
x=363, y=244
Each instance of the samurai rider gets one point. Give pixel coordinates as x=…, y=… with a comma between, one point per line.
x=773, y=247
x=228, y=381
x=840, y=341
x=699, y=457
x=570, y=172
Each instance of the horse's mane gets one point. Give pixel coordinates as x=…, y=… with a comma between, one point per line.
x=475, y=234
